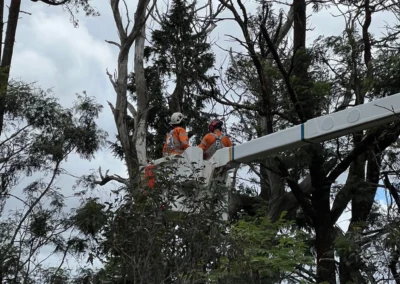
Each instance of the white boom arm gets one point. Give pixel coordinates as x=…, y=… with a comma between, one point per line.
x=318, y=129
x=314, y=130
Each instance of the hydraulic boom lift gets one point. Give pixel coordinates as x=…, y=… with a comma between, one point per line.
x=315, y=130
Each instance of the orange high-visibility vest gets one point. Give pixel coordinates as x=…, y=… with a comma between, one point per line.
x=209, y=145
x=176, y=142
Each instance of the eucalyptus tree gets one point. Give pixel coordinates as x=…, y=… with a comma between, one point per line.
x=294, y=83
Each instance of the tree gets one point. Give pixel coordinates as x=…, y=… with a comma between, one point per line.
x=311, y=85
x=133, y=146
x=142, y=240
x=39, y=135
x=178, y=50
x=292, y=83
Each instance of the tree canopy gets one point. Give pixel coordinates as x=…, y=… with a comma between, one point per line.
x=283, y=209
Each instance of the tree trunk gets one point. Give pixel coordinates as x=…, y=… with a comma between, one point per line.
x=7, y=53
x=324, y=245
x=265, y=182
x=121, y=85
x=300, y=63
x=1, y=25
x=120, y=115
x=364, y=196
x=177, y=94
x=322, y=219
x=142, y=100
x=364, y=191
x=349, y=268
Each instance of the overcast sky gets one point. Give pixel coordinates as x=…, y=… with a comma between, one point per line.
x=50, y=51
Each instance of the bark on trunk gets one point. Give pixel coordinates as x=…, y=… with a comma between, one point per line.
x=276, y=188
x=349, y=268
x=364, y=196
x=7, y=53
x=322, y=221
x=120, y=86
x=1, y=25
x=324, y=245
x=120, y=116
x=142, y=100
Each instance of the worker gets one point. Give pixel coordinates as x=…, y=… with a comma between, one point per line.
x=214, y=140
x=177, y=139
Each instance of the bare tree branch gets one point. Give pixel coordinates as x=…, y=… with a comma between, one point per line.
x=106, y=178
x=52, y=2
x=113, y=42
x=383, y=137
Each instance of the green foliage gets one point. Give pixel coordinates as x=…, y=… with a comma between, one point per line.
x=386, y=75
x=144, y=240
x=39, y=225
x=56, y=275
x=90, y=218
x=38, y=136
x=42, y=132
x=261, y=250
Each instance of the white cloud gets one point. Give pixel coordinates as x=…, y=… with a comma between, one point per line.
x=30, y=66
x=57, y=55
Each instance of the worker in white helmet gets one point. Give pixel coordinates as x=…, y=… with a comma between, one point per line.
x=177, y=139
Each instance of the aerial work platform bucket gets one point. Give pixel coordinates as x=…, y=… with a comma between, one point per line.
x=190, y=174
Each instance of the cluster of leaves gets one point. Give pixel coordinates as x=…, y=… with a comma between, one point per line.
x=260, y=250
x=38, y=136
x=40, y=133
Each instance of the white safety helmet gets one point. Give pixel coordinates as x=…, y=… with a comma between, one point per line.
x=176, y=118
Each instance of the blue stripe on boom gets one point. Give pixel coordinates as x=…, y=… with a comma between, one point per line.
x=302, y=132
x=233, y=153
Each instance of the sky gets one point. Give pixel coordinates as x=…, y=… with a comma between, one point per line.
x=51, y=52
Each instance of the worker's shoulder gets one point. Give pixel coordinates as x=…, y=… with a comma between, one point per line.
x=209, y=136
x=225, y=136
x=179, y=129
x=226, y=140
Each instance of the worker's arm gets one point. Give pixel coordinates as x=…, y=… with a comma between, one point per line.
x=183, y=138
x=226, y=141
x=203, y=144
x=206, y=142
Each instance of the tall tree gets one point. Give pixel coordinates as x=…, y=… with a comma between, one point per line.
x=179, y=50
x=133, y=146
x=39, y=135
x=7, y=51
x=301, y=74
